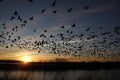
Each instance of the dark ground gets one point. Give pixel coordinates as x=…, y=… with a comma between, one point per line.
x=16, y=65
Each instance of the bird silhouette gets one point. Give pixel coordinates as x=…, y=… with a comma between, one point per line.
x=62, y=27
x=15, y=13
x=117, y=30
x=25, y=21
x=4, y=24
x=81, y=35
x=45, y=31
x=86, y=7
x=1, y=0
x=88, y=29
x=104, y=33
x=31, y=18
x=34, y=30
x=43, y=10
x=19, y=18
x=53, y=4
x=12, y=17
x=101, y=27
x=73, y=25
x=69, y=10
x=4, y=27
x=31, y=1
x=55, y=11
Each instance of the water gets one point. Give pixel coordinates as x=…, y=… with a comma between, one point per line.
x=60, y=75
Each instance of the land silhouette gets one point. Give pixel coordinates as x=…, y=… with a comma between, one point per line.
x=49, y=66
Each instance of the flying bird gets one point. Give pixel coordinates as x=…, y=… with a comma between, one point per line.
x=55, y=11
x=100, y=27
x=31, y=18
x=45, y=31
x=43, y=10
x=53, y=4
x=15, y=13
x=62, y=27
x=117, y=30
x=88, y=29
x=1, y=0
x=34, y=30
x=31, y=1
x=73, y=25
x=4, y=24
x=12, y=17
x=86, y=7
x=19, y=18
x=69, y=10
x=25, y=21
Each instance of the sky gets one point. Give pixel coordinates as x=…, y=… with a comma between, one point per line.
x=74, y=30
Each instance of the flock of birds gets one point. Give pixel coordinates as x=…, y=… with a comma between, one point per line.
x=66, y=42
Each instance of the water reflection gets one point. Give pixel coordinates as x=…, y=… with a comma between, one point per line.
x=60, y=75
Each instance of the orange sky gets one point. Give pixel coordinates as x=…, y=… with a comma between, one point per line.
x=17, y=54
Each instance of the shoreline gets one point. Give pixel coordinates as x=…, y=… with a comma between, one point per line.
x=51, y=66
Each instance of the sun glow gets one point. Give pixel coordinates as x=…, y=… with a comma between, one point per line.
x=26, y=59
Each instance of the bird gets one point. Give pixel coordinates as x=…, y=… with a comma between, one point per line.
x=1, y=0
x=51, y=36
x=6, y=46
x=15, y=13
x=101, y=27
x=4, y=24
x=73, y=25
x=69, y=10
x=43, y=10
x=25, y=21
x=4, y=27
x=45, y=31
x=12, y=17
x=55, y=11
x=81, y=35
x=88, y=29
x=118, y=0
x=42, y=35
x=86, y=7
x=34, y=30
x=31, y=18
x=106, y=33
x=117, y=30
x=31, y=1
x=19, y=18
x=53, y=4
x=62, y=27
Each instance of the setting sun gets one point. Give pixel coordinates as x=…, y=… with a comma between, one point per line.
x=26, y=59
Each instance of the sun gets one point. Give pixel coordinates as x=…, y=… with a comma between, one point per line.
x=26, y=59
